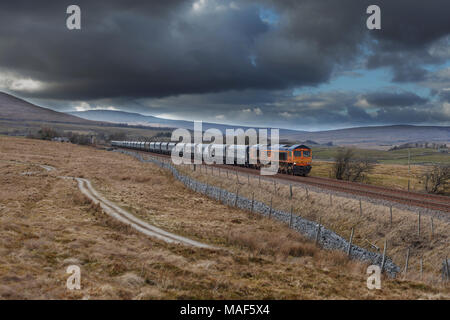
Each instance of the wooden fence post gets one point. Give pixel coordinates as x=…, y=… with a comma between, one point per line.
x=253, y=201
x=446, y=267
x=418, y=225
x=383, y=261
x=290, y=219
x=407, y=261
x=270, y=211
x=307, y=195
x=432, y=227
x=318, y=230
x=290, y=191
x=360, y=207
x=237, y=195
x=421, y=268
x=350, y=243
x=390, y=209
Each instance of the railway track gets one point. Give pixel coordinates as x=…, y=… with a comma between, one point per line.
x=395, y=195
x=434, y=202
x=422, y=200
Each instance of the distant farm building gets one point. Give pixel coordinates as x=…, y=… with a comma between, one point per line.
x=60, y=139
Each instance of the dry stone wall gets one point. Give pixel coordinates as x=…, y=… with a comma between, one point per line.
x=327, y=239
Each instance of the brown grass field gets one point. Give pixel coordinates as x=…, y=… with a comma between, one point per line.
x=386, y=175
x=341, y=214
x=46, y=225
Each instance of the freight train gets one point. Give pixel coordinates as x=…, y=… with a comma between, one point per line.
x=292, y=159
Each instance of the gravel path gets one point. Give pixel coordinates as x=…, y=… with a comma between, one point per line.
x=126, y=217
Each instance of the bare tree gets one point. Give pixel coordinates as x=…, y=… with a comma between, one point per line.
x=359, y=169
x=341, y=162
x=437, y=178
x=348, y=167
x=119, y=135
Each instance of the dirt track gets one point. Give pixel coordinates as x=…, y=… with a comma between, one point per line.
x=123, y=216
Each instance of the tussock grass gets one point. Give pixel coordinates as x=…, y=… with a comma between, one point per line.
x=382, y=175
x=46, y=225
x=341, y=214
x=263, y=242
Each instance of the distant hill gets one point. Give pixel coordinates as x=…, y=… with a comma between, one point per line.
x=139, y=119
x=373, y=137
x=128, y=118
x=379, y=135
x=15, y=109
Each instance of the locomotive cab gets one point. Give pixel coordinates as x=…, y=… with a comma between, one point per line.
x=301, y=157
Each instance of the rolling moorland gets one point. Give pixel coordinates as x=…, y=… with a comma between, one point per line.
x=381, y=137
x=47, y=224
x=37, y=206
x=21, y=118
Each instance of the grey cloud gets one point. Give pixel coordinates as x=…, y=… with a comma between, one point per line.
x=139, y=49
x=439, y=84
x=430, y=114
x=162, y=57
x=444, y=95
x=307, y=110
x=394, y=99
x=407, y=66
x=413, y=33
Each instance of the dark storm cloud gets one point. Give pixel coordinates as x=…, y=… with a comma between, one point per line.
x=444, y=95
x=222, y=61
x=346, y=109
x=162, y=48
x=430, y=114
x=394, y=99
x=306, y=111
x=137, y=52
x=407, y=66
x=413, y=33
x=413, y=24
x=439, y=84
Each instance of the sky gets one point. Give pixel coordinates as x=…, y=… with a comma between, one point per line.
x=298, y=64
